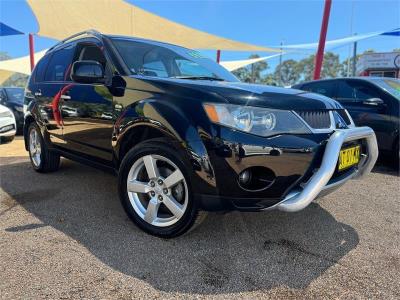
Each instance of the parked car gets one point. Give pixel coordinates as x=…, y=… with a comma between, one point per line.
x=185, y=135
x=13, y=98
x=371, y=101
x=7, y=125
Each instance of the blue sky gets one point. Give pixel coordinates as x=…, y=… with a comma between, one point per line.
x=259, y=22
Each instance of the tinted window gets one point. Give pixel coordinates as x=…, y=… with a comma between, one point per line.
x=15, y=95
x=41, y=68
x=326, y=88
x=345, y=92
x=351, y=91
x=59, y=64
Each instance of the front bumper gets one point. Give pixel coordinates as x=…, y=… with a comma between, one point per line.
x=319, y=183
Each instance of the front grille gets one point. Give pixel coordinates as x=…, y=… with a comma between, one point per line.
x=321, y=119
x=317, y=119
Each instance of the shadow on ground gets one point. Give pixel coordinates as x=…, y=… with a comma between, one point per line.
x=386, y=164
x=234, y=252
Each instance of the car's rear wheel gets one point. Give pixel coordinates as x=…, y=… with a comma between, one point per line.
x=155, y=190
x=42, y=159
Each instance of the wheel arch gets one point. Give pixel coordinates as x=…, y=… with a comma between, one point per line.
x=27, y=122
x=162, y=119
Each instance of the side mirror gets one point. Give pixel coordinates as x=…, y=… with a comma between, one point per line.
x=374, y=102
x=87, y=71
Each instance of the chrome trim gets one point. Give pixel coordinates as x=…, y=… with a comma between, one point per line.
x=65, y=97
x=299, y=199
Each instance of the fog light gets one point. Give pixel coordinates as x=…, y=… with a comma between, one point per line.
x=245, y=177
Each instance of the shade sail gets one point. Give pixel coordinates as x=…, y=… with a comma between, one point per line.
x=4, y=75
x=60, y=19
x=7, y=30
x=342, y=41
x=237, y=64
x=21, y=64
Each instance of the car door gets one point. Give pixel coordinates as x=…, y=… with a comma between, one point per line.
x=50, y=78
x=87, y=109
x=353, y=95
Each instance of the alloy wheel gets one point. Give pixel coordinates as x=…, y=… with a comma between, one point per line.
x=157, y=190
x=35, y=149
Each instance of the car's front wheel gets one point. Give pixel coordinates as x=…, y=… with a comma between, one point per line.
x=155, y=190
x=42, y=159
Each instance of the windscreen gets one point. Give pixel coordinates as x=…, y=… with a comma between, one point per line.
x=391, y=85
x=168, y=61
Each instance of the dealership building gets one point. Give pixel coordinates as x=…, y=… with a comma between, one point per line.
x=379, y=64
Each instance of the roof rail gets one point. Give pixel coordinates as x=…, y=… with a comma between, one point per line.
x=89, y=31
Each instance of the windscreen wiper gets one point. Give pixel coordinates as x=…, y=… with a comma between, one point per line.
x=199, y=78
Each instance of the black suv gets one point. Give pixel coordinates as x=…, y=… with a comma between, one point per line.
x=183, y=134
x=371, y=101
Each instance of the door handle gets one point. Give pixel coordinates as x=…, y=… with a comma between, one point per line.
x=38, y=93
x=65, y=97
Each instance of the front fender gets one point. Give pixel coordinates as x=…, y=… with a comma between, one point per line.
x=171, y=122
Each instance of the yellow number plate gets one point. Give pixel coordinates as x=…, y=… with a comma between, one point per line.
x=349, y=157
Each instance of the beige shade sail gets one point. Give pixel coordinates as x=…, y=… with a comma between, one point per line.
x=4, y=75
x=60, y=19
x=20, y=64
x=237, y=64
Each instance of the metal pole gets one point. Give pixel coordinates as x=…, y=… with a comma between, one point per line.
x=31, y=51
x=351, y=33
x=354, y=58
x=322, y=38
x=280, y=67
x=218, y=55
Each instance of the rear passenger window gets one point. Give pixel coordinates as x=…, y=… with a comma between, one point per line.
x=59, y=64
x=41, y=68
x=326, y=88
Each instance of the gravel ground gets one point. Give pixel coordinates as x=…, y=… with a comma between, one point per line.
x=65, y=236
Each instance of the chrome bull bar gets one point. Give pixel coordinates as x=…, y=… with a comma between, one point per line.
x=299, y=199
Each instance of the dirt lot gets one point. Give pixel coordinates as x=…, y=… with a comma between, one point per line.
x=64, y=235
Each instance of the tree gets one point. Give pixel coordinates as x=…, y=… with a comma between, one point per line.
x=252, y=73
x=288, y=72
x=331, y=66
x=270, y=79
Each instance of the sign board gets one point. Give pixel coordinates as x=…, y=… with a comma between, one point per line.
x=390, y=60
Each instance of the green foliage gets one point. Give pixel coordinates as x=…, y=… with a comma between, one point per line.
x=291, y=71
x=253, y=72
x=287, y=73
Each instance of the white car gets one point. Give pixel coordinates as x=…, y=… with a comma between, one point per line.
x=7, y=125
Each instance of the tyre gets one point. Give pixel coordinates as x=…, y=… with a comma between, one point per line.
x=6, y=139
x=42, y=159
x=155, y=189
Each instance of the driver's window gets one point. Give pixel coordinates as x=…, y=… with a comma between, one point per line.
x=364, y=92
x=87, y=51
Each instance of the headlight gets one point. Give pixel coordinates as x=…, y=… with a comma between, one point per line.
x=19, y=108
x=6, y=114
x=256, y=120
